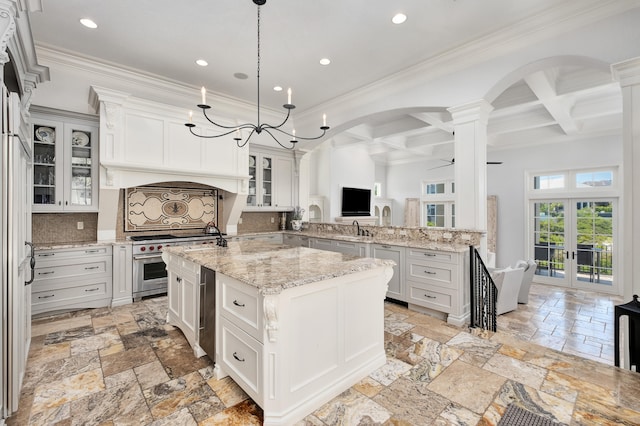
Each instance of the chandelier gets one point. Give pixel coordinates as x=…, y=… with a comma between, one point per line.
x=271, y=130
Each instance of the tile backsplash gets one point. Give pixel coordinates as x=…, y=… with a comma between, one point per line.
x=63, y=227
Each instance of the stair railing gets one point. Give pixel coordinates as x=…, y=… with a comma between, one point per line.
x=483, y=293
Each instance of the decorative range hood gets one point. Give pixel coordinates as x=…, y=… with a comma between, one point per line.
x=144, y=142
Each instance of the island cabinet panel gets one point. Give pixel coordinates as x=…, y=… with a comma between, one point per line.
x=315, y=340
x=183, y=293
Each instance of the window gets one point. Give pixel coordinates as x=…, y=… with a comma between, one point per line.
x=574, y=181
x=377, y=189
x=437, y=205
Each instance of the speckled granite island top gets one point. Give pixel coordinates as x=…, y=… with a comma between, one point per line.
x=273, y=268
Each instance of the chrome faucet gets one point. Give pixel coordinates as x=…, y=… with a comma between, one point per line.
x=355, y=222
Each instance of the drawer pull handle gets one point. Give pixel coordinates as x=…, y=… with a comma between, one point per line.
x=46, y=254
x=91, y=267
x=92, y=289
x=429, y=296
x=92, y=251
x=46, y=273
x=430, y=254
x=235, y=302
x=429, y=272
x=386, y=246
x=179, y=279
x=235, y=355
x=46, y=297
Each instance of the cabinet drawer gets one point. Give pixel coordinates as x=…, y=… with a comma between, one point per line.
x=43, y=299
x=440, y=274
x=70, y=268
x=439, y=299
x=242, y=355
x=76, y=253
x=432, y=255
x=239, y=303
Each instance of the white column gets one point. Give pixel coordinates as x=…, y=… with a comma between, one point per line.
x=470, y=126
x=628, y=74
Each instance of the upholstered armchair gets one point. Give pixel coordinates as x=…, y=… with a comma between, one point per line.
x=529, y=267
x=507, y=283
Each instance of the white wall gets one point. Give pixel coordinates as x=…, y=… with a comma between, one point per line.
x=332, y=167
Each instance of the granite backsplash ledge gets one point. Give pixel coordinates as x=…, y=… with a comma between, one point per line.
x=399, y=233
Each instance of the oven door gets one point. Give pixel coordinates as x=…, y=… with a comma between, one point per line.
x=149, y=275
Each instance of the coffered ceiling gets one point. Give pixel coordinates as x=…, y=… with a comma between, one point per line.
x=165, y=38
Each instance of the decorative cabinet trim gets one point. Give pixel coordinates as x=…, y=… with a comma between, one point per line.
x=270, y=306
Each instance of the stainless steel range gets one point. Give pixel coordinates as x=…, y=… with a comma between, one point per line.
x=149, y=271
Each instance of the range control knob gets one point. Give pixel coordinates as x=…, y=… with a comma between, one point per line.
x=143, y=248
x=159, y=247
x=151, y=248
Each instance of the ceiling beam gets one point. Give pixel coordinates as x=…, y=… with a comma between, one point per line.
x=542, y=84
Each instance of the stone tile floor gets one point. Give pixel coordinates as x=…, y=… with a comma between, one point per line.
x=125, y=366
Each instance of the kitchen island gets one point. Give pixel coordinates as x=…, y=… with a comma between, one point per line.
x=295, y=326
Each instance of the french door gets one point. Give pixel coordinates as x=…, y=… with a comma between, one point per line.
x=574, y=242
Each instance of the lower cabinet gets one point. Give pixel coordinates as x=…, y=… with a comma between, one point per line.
x=346, y=247
x=436, y=280
x=270, y=238
x=73, y=278
x=295, y=240
x=396, y=284
x=122, y=274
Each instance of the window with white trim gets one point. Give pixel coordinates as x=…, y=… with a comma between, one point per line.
x=437, y=204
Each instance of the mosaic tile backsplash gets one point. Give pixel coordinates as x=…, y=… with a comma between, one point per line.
x=159, y=209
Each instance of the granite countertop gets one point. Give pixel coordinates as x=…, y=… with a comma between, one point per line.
x=77, y=244
x=273, y=268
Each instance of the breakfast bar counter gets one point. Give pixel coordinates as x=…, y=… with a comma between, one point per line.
x=294, y=326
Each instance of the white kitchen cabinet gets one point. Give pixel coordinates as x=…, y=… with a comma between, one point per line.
x=296, y=240
x=73, y=278
x=65, y=164
x=122, y=274
x=396, y=285
x=435, y=280
x=271, y=182
x=270, y=238
x=183, y=291
x=346, y=247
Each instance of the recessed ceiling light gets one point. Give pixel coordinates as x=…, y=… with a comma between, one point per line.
x=88, y=23
x=277, y=88
x=202, y=62
x=241, y=76
x=325, y=61
x=399, y=18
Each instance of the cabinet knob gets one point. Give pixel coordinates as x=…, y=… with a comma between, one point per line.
x=235, y=302
x=59, y=203
x=235, y=355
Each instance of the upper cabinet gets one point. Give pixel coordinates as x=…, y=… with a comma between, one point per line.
x=271, y=182
x=65, y=164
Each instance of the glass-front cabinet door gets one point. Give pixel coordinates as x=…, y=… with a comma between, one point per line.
x=260, y=183
x=267, y=182
x=81, y=166
x=47, y=151
x=65, y=166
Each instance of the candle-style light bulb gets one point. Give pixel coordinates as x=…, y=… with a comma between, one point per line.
x=324, y=120
x=204, y=95
x=289, y=96
x=294, y=133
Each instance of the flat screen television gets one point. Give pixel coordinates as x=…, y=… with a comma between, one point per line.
x=356, y=202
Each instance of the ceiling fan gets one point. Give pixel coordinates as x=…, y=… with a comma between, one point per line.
x=453, y=160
